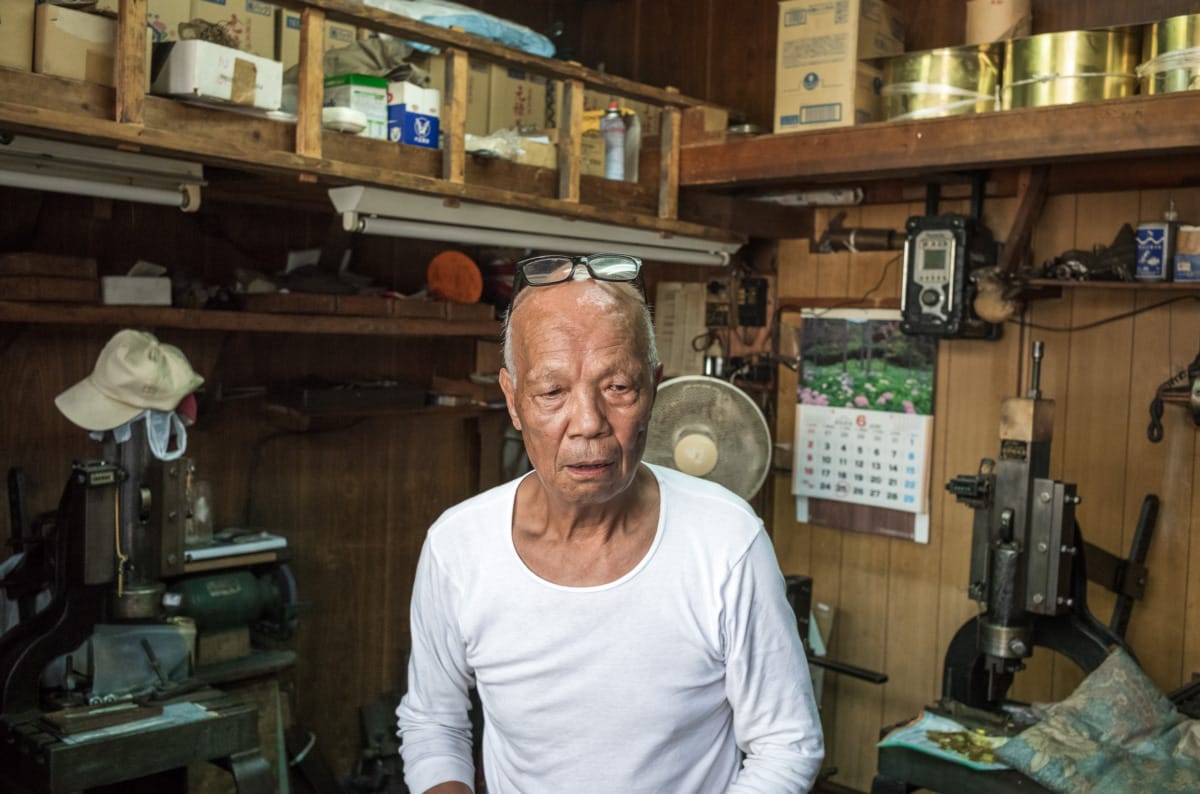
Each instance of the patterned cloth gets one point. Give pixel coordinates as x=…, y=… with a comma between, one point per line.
x=1116, y=733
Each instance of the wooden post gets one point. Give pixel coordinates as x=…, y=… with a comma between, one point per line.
x=668, y=177
x=310, y=85
x=454, y=114
x=130, y=67
x=570, y=146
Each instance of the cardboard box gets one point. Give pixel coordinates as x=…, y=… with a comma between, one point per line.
x=413, y=114
x=74, y=44
x=818, y=78
x=287, y=36
x=162, y=16
x=206, y=71
x=16, y=34
x=479, y=82
x=545, y=155
x=517, y=100
x=360, y=92
x=251, y=23
x=135, y=291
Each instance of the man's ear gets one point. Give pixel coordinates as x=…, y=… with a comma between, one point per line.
x=658, y=375
x=510, y=396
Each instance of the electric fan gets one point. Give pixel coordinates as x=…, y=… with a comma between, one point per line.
x=712, y=429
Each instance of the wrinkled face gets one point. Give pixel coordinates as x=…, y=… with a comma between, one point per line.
x=583, y=389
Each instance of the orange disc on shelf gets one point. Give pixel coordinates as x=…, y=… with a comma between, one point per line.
x=453, y=276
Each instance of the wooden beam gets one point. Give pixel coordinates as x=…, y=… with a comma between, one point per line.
x=1162, y=124
x=203, y=319
x=93, y=125
x=746, y=216
x=130, y=68
x=454, y=109
x=668, y=178
x=1031, y=195
x=310, y=85
x=359, y=15
x=570, y=136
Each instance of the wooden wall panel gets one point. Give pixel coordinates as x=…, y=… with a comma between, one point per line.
x=1101, y=380
x=673, y=41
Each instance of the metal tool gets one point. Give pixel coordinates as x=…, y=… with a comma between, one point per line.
x=1029, y=563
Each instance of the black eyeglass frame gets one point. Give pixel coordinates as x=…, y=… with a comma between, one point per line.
x=520, y=280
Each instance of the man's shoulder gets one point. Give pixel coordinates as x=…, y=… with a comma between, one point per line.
x=706, y=505
x=684, y=489
x=475, y=515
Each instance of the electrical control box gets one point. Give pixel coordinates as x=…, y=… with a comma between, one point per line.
x=941, y=255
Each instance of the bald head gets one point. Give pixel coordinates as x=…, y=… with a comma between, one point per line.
x=580, y=303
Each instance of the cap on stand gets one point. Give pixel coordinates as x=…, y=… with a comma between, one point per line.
x=133, y=372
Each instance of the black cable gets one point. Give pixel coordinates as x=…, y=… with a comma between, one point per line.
x=853, y=301
x=1106, y=320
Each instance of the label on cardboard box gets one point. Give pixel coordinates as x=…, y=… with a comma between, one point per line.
x=518, y=100
x=1187, y=267
x=413, y=114
x=364, y=93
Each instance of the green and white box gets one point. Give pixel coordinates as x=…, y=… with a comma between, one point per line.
x=363, y=93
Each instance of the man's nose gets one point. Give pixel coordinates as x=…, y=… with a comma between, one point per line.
x=588, y=417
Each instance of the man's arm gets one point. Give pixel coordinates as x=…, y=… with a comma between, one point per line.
x=434, y=727
x=767, y=680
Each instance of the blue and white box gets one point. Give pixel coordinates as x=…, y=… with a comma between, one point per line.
x=413, y=114
x=1155, y=252
x=1187, y=256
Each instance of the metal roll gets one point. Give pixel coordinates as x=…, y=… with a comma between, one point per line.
x=946, y=82
x=1073, y=66
x=1170, y=56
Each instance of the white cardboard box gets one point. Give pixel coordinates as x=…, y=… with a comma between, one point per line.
x=135, y=291
x=206, y=71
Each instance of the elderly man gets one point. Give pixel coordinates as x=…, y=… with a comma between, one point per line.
x=625, y=625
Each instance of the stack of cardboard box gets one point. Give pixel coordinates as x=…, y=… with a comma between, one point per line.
x=824, y=74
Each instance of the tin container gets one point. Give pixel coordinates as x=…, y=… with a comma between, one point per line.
x=947, y=82
x=1073, y=66
x=1170, y=56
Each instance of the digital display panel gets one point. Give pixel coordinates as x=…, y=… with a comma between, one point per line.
x=934, y=259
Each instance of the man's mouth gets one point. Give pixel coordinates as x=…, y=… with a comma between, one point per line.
x=589, y=465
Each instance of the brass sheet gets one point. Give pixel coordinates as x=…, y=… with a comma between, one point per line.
x=946, y=82
x=1170, y=56
x=1073, y=66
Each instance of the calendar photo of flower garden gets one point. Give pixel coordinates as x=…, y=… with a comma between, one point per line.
x=866, y=364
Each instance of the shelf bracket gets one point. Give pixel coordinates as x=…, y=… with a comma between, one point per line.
x=1031, y=195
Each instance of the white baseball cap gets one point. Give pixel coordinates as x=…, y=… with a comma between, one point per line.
x=133, y=372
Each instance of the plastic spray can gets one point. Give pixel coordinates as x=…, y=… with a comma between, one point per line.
x=612, y=127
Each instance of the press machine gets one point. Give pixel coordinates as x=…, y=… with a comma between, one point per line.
x=1029, y=571
x=114, y=555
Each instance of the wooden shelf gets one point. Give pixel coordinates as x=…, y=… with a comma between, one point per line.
x=1135, y=128
x=200, y=319
x=1165, y=286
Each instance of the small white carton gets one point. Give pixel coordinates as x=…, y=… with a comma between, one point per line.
x=211, y=73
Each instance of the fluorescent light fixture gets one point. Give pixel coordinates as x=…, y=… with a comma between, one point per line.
x=393, y=213
x=34, y=164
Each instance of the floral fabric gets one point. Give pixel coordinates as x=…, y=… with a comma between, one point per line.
x=1116, y=733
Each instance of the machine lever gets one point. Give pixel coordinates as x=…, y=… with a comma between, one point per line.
x=1138, y=551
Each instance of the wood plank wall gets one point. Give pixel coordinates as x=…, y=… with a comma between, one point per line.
x=897, y=603
x=353, y=498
